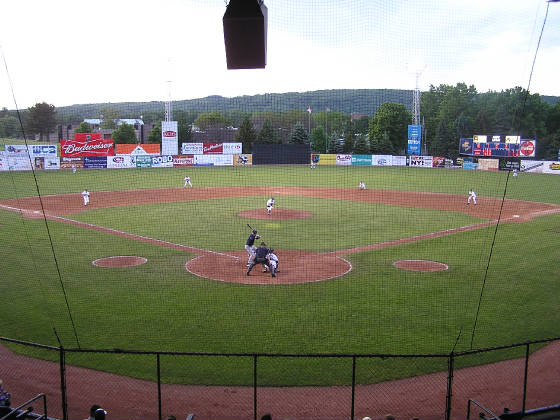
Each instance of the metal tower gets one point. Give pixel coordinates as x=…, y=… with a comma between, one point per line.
x=168, y=105
x=416, y=101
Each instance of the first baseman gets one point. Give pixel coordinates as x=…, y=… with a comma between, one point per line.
x=270, y=205
x=472, y=196
x=187, y=181
x=85, y=196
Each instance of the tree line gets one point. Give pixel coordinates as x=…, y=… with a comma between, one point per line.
x=448, y=113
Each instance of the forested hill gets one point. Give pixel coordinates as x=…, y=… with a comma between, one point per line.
x=363, y=101
x=347, y=101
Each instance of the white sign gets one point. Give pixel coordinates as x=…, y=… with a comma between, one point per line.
x=192, y=149
x=52, y=163
x=233, y=148
x=162, y=161
x=213, y=160
x=121, y=161
x=399, y=160
x=169, y=138
x=382, y=160
x=344, y=159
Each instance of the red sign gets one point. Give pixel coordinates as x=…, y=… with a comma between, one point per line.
x=77, y=148
x=212, y=148
x=527, y=148
x=169, y=134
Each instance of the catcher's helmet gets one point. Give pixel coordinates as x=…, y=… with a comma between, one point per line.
x=271, y=249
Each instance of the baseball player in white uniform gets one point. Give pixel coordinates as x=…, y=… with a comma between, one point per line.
x=85, y=196
x=273, y=261
x=472, y=196
x=188, y=181
x=270, y=205
x=362, y=185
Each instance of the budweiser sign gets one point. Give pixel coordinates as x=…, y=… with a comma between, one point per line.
x=76, y=148
x=213, y=148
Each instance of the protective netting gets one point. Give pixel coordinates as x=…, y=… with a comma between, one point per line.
x=369, y=126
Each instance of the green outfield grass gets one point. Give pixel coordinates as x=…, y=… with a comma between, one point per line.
x=375, y=308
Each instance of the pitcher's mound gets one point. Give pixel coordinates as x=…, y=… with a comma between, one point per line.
x=277, y=214
x=295, y=267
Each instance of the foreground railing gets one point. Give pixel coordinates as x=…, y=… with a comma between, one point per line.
x=445, y=381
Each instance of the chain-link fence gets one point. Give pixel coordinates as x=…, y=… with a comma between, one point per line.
x=524, y=377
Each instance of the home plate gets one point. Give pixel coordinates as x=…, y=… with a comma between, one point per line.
x=516, y=215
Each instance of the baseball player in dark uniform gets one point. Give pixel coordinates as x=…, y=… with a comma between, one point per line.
x=261, y=257
x=250, y=246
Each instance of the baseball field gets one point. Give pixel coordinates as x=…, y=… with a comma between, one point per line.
x=404, y=267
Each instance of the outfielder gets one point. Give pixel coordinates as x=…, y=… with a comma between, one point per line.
x=187, y=181
x=270, y=205
x=472, y=196
x=85, y=196
x=250, y=246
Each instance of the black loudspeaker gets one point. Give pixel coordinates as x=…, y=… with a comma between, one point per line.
x=245, y=26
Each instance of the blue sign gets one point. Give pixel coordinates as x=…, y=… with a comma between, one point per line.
x=414, y=139
x=95, y=162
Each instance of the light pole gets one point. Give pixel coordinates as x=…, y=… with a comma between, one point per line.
x=327, y=129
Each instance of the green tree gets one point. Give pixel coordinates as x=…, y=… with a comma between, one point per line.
x=41, y=119
x=267, y=133
x=246, y=135
x=109, y=117
x=361, y=146
x=210, y=119
x=361, y=125
x=9, y=126
x=393, y=119
x=299, y=135
x=83, y=128
x=154, y=136
x=319, y=140
x=381, y=145
x=125, y=134
x=348, y=145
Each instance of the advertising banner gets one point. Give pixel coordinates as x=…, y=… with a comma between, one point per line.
x=121, y=161
x=15, y=150
x=138, y=149
x=162, y=161
x=421, y=161
x=19, y=163
x=361, y=160
x=233, y=148
x=469, y=163
x=213, y=160
x=66, y=162
x=414, y=139
x=541, y=167
x=324, y=159
x=527, y=148
x=143, y=161
x=76, y=148
x=3, y=162
x=52, y=163
x=399, y=160
x=169, y=138
x=192, y=148
x=38, y=163
x=183, y=160
x=382, y=160
x=242, y=160
x=489, y=164
x=438, y=162
x=43, y=150
x=344, y=160
x=213, y=148
x=95, y=162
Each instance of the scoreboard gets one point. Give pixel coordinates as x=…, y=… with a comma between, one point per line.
x=511, y=146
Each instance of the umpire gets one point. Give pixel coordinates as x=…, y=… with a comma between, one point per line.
x=261, y=258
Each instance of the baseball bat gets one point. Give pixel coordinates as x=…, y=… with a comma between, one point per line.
x=250, y=227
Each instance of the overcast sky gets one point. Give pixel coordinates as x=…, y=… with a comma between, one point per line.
x=71, y=51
